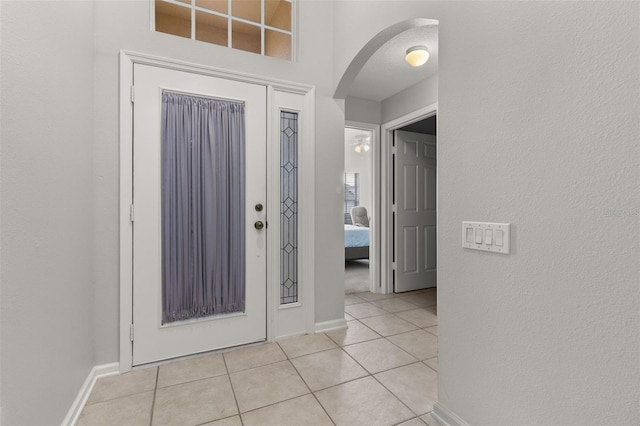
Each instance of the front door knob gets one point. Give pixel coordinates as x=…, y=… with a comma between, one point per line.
x=258, y=225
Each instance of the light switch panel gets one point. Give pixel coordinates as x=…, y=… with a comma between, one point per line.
x=487, y=236
x=470, y=232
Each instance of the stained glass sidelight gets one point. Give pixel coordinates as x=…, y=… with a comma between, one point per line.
x=288, y=207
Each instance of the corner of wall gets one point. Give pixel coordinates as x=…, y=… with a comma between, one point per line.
x=410, y=99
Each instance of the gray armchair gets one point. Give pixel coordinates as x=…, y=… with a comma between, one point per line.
x=359, y=216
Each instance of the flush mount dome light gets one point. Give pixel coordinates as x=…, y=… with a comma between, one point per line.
x=417, y=56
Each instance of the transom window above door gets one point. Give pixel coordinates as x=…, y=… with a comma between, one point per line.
x=259, y=26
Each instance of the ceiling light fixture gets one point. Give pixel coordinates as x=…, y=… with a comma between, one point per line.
x=417, y=56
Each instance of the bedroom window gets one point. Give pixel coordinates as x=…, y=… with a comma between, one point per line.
x=259, y=26
x=288, y=207
x=351, y=194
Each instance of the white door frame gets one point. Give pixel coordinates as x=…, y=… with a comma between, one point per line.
x=386, y=189
x=305, y=315
x=374, y=228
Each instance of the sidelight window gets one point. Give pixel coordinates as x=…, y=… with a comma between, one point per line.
x=288, y=207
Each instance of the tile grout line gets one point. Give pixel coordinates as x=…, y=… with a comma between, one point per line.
x=372, y=375
x=323, y=409
x=417, y=361
x=191, y=380
x=307, y=385
x=417, y=416
x=233, y=391
x=396, y=397
x=155, y=391
x=257, y=366
x=313, y=353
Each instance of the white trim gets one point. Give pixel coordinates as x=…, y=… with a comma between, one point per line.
x=294, y=31
x=175, y=64
x=386, y=240
x=152, y=16
x=83, y=395
x=324, y=326
x=375, y=229
x=446, y=417
x=271, y=267
x=410, y=118
x=126, y=200
x=295, y=318
x=306, y=185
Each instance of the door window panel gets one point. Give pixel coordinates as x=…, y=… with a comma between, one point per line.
x=203, y=168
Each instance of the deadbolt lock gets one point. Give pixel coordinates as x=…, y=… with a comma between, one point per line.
x=258, y=225
x=259, y=207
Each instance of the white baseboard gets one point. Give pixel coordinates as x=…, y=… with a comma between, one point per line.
x=321, y=327
x=446, y=417
x=96, y=372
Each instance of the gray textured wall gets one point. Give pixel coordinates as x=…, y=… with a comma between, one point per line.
x=537, y=126
x=47, y=205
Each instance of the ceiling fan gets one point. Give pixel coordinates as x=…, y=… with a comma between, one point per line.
x=362, y=143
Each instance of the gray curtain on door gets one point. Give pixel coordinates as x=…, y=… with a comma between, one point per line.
x=203, y=260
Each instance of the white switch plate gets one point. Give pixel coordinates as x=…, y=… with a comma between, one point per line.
x=496, y=228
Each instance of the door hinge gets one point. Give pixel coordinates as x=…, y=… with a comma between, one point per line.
x=131, y=332
x=133, y=91
x=131, y=212
x=393, y=208
x=394, y=150
x=393, y=266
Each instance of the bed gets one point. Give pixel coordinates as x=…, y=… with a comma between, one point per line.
x=356, y=242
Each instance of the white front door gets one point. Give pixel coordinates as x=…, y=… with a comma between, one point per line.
x=415, y=218
x=153, y=340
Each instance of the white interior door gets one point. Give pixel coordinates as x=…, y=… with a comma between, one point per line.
x=415, y=211
x=152, y=340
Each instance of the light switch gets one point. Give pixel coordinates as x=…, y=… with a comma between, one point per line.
x=486, y=236
x=469, y=235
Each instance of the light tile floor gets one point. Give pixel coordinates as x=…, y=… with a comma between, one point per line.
x=381, y=370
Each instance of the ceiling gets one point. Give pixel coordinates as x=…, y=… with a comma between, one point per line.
x=387, y=73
